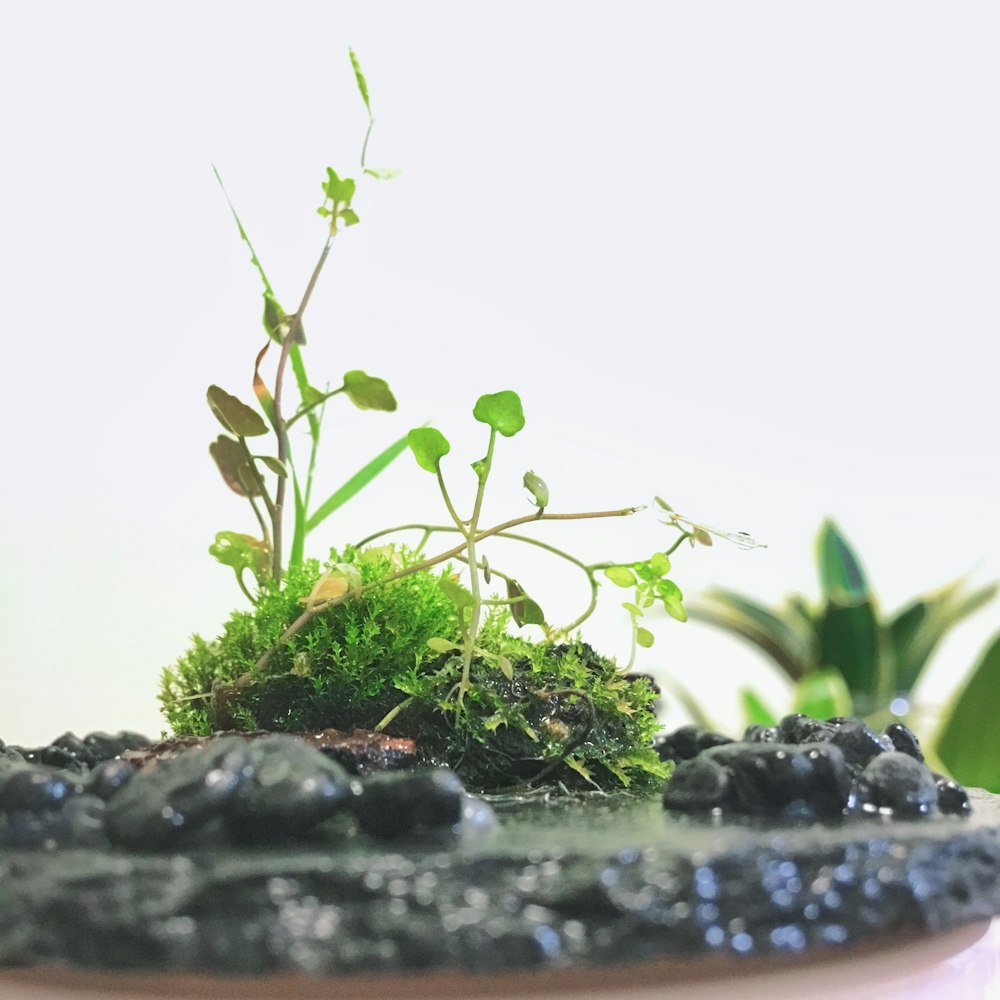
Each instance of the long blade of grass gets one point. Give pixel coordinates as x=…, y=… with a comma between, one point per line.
x=254, y=259
x=360, y=479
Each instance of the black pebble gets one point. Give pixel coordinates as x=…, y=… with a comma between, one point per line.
x=697, y=785
x=169, y=800
x=904, y=740
x=952, y=799
x=858, y=743
x=896, y=784
x=35, y=788
x=109, y=777
x=397, y=803
x=290, y=789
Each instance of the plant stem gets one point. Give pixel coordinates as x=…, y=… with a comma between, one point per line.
x=477, y=601
x=258, y=482
x=497, y=529
x=685, y=535
x=282, y=431
x=305, y=410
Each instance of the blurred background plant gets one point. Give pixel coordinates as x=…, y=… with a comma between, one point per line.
x=844, y=656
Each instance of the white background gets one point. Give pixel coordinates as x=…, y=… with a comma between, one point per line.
x=741, y=255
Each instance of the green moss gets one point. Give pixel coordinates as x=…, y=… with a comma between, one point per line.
x=566, y=716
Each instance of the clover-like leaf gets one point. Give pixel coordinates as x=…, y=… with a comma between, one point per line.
x=535, y=485
x=501, y=411
x=456, y=593
x=339, y=190
x=644, y=637
x=620, y=576
x=236, y=417
x=367, y=392
x=429, y=446
x=241, y=552
x=232, y=462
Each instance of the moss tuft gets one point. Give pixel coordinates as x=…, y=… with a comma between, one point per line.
x=566, y=715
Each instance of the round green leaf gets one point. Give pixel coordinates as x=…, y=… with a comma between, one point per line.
x=660, y=563
x=369, y=393
x=632, y=609
x=620, y=576
x=236, y=417
x=429, y=446
x=501, y=411
x=644, y=637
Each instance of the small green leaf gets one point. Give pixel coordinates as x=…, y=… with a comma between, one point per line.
x=358, y=481
x=644, y=637
x=840, y=572
x=440, y=645
x=501, y=411
x=535, y=485
x=361, y=81
x=429, y=446
x=383, y=173
x=524, y=611
x=663, y=505
x=274, y=317
x=367, y=392
x=278, y=468
x=241, y=552
x=480, y=468
x=644, y=571
x=260, y=389
x=506, y=667
x=632, y=609
x=822, y=695
x=969, y=741
x=620, y=576
x=339, y=190
x=348, y=216
x=673, y=599
x=702, y=536
x=232, y=461
x=456, y=593
x=755, y=711
x=236, y=417
x=311, y=396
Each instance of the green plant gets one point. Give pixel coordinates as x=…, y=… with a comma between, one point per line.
x=393, y=639
x=841, y=652
x=244, y=471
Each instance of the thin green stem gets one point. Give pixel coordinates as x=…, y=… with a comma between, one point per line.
x=392, y=713
x=305, y=410
x=257, y=480
x=441, y=557
x=459, y=523
x=477, y=601
x=294, y=330
x=685, y=535
x=243, y=587
x=632, y=651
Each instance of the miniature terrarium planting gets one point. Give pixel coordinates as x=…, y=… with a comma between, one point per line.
x=391, y=758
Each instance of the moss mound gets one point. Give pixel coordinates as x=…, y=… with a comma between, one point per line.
x=565, y=716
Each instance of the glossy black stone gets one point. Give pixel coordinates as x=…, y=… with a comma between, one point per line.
x=953, y=799
x=797, y=727
x=697, y=785
x=896, y=784
x=35, y=788
x=108, y=777
x=395, y=804
x=904, y=740
x=761, y=734
x=855, y=740
x=167, y=802
x=687, y=742
x=105, y=746
x=289, y=789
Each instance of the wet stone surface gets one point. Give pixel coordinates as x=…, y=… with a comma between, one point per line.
x=266, y=856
